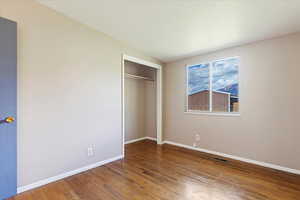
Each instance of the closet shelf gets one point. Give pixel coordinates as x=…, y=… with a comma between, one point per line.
x=138, y=77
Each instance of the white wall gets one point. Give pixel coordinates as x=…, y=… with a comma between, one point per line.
x=69, y=93
x=268, y=128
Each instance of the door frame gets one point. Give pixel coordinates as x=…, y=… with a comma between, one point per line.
x=158, y=95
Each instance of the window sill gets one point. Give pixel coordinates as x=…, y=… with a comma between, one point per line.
x=213, y=113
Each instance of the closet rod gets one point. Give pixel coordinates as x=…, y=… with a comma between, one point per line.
x=138, y=77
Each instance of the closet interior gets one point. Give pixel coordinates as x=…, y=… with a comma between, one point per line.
x=140, y=101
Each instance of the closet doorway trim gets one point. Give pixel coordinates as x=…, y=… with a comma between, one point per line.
x=158, y=95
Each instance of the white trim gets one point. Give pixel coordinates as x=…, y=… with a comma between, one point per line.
x=212, y=60
x=98, y=164
x=135, y=140
x=159, y=106
x=140, y=139
x=263, y=164
x=123, y=105
x=151, y=138
x=229, y=114
x=65, y=175
x=141, y=61
x=158, y=96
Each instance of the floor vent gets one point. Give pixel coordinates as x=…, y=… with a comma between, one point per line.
x=220, y=160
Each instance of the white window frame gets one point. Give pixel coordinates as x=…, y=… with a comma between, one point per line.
x=210, y=111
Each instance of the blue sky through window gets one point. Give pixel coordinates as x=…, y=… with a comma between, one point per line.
x=224, y=77
x=198, y=78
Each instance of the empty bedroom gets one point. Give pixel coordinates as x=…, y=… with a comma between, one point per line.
x=149, y=100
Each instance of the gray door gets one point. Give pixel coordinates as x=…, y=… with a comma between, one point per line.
x=8, y=108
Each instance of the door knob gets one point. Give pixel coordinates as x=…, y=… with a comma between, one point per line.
x=7, y=120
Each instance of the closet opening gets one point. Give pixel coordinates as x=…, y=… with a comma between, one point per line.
x=141, y=101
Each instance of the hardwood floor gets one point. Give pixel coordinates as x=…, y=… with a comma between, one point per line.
x=168, y=172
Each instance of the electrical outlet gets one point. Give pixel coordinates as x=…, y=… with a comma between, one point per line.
x=90, y=151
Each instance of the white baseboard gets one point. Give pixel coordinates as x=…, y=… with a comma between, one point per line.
x=263, y=164
x=77, y=171
x=135, y=140
x=151, y=138
x=65, y=175
x=140, y=139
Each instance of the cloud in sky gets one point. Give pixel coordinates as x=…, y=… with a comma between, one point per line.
x=224, y=76
x=198, y=78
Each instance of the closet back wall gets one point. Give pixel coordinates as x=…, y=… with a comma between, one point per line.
x=69, y=92
x=150, y=114
x=134, y=109
x=140, y=103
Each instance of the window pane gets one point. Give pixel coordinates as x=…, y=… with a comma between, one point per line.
x=198, y=87
x=225, y=86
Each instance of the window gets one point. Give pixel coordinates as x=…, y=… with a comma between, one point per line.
x=213, y=86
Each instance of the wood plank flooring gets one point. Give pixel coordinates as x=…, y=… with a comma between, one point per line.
x=168, y=172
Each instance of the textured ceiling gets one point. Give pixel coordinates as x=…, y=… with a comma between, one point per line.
x=174, y=29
